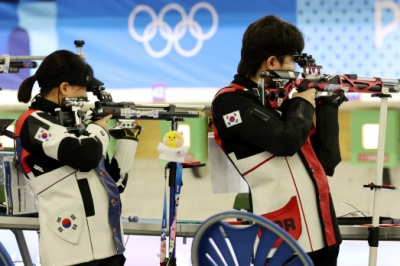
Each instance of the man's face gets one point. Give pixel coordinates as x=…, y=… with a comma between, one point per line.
x=272, y=63
x=287, y=65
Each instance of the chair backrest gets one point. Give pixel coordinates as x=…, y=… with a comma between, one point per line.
x=5, y=259
x=218, y=242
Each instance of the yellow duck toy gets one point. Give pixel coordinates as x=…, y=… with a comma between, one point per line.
x=173, y=139
x=171, y=148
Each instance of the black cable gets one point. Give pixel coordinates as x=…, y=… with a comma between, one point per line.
x=20, y=261
x=357, y=210
x=349, y=213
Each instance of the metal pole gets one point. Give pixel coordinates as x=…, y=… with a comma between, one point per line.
x=172, y=202
x=23, y=248
x=177, y=106
x=379, y=172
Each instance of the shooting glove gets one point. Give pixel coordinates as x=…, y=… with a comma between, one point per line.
x=126, y=133
x=124, y=154
x=303, y=86
x=336, y=99
x=326, y=139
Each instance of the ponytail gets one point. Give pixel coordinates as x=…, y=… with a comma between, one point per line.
x=25, y=89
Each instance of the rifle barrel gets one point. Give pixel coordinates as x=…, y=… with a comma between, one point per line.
x=135, y=114
x=177, y=106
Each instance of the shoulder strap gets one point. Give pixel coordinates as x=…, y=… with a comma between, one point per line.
x=17, y=129
x=21, y=120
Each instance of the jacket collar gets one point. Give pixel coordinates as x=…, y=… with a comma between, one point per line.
x=42, y=104
x=244, y=81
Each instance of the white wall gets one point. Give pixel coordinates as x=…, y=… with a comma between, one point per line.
x=144, y=193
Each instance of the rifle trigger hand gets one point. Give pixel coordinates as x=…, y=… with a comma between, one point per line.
x=303, y=86
x=336, y=99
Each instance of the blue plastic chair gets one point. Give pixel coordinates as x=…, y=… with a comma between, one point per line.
x=5, y=259
x=218, y=243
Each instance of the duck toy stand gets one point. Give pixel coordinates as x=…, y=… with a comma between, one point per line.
x=173, y=150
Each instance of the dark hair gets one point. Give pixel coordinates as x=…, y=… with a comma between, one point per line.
x=268, y=36
x=60, y=66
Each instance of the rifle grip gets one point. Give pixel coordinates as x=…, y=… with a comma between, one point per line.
x=303, y=86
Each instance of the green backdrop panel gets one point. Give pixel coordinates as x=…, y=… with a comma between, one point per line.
x=362, y=155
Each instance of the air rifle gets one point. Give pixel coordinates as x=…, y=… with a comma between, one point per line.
x=12, y=64
x=286, y=81
x=135, y=111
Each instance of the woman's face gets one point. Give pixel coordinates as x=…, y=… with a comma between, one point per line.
x=74, y=91
x=71, y=91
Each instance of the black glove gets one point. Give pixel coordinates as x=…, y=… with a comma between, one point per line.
x=303, y=86
x=326, y=140
x=126, y=133
x=336, y=99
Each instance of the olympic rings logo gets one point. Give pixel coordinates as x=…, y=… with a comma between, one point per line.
x=173, y=36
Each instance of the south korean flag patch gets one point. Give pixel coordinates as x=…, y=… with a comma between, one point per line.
x=232, y=119
x=43, y=135
x=67, y=222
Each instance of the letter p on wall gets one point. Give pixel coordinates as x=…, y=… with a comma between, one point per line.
x=382, y=31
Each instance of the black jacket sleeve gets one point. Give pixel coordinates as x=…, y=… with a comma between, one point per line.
x=325, y=141
x=261, y=128
x=45, y=139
